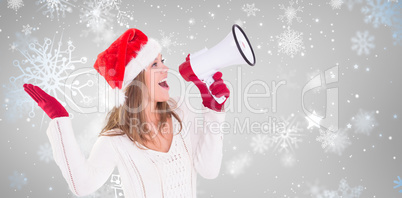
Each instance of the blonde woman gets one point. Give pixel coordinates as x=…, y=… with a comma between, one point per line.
x=144, y=135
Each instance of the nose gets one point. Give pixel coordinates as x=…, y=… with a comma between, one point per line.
x=164, y=69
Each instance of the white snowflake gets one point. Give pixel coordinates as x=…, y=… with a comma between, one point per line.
x=290, y=13
x=48, y=66
x=17, y=180
x=45, y=153
x=13, y=47
x=168, y=42
x=344, y=191
x=336, y=4
x=362, y=43
x=290, y=42
x=15, y=4
x=334, y=142
x=58, y=7
x=123, y=17
x=260, y=143
x=351, y=3
x=250, y=9
x=287, y=139
x=379, y=12
x=191, y=21
x=364, y=122
x=26, y=29
x=98, y=19
x=236, y=165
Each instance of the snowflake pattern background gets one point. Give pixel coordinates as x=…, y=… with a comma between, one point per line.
x=290, y=42
x=271, y=147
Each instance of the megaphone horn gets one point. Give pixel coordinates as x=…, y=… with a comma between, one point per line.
x=234, y=49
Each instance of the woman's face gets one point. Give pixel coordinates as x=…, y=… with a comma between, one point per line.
x=155, y=80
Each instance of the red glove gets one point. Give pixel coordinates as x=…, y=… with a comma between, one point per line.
x=218, y=88
x=49, y=104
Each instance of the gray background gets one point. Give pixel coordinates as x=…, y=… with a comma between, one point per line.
x=368, y=106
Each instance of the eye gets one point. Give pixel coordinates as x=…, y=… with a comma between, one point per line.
x=155, y=64
x=163, y=60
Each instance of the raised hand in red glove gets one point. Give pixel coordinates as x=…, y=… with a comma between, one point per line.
x=49, y=104
x=218, y=88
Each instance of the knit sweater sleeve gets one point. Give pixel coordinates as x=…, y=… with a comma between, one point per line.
x=208, y=150
x=207, y=139
x=84, y=176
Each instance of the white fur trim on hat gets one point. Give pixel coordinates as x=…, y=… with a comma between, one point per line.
x=145, y=56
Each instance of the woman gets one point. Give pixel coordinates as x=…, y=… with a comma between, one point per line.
x=154, y=156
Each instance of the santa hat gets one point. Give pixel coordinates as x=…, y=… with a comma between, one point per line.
x=126, y=57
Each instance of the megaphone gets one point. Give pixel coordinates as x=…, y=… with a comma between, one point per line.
x=234, y=49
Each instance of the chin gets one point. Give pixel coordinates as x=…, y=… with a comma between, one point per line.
x=164, y=99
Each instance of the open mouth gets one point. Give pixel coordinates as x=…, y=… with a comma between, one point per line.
x=163, y=84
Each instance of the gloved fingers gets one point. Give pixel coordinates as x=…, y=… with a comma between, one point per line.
x=41, y=93
x=217, y=83
x=30, y=87
x=30, y=93
x=217, y=76
x=224, y=92
x=217, y=90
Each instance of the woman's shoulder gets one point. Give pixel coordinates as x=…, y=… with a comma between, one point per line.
x=112, y=133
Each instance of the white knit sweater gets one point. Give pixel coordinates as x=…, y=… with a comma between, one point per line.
x=144, y=173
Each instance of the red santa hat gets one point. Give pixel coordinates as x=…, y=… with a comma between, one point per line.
x=126, y=57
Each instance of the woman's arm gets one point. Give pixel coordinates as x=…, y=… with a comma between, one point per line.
x=208, y=149
x=84, y=176
x=206, y=137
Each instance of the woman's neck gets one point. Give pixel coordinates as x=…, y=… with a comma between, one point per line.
x=151, y=112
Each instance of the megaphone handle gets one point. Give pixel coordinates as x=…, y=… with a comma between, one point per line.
x=209, y=80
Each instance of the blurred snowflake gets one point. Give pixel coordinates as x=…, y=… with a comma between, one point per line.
x=398, y=184
x=287, y=139
x=15, y=4
x=336, y=4
x=379, y=12
x=290, y=42
x=334, y=142
x=250, y=9
x=27, y=29
x=288, y=160
x=290, y=13
x=314, y=189
x=168, y=42
x=236, y=165
x=99, y=16
x=45, y=153
x=98, y=19
x=344, y=191
x=47, y=66
x=17, y=180
x=397, y=24
x=364, y=122
x=260, y=143
x=351, y=3
x=58, y=7
x=362, y=43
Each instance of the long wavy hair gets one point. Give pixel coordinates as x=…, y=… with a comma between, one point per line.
x=121, y=118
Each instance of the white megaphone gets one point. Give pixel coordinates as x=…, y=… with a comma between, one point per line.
x=235, y=49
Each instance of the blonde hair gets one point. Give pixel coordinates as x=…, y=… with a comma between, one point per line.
x=121, y=117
